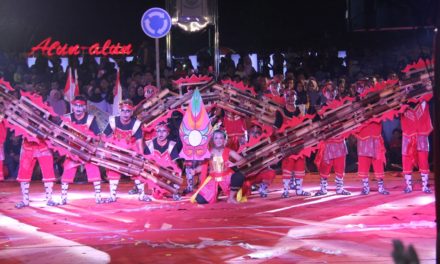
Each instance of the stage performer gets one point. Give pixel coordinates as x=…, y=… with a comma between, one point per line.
x=126, y=132
x=31, y=151
x=235, y=127
x=84, y=121
x=294, y=166
x=371, y=151
x=162, y=148
x=416, y=127
x=265, y=177
x=332, y=153
x=220, y=173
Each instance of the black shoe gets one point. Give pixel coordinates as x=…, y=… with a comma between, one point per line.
x=133, y=191
x=303, y=193
x=20, y=205
x=109, y=200
x=52, y=203
x=146, y=198
x=320, y=193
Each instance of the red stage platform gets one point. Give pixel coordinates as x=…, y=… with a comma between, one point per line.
x=328, y=229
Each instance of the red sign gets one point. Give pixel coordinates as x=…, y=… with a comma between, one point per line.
x=56, y=48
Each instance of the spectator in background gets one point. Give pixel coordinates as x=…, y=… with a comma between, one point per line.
x=316, y=99
x=301, y=97
x=56, y=101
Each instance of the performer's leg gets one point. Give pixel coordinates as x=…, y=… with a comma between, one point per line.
x=67, y=177
x=379, y=174
x=407, y=171
x=299, y=171
x=46, y=164
x=339, y=165
x=25, y=195
x=324, y=172
x=94, y=175
x=113, y=178
x=97, y=187
x=189, y=179
x=25, y=169
x=141, y=190
x=237, y=180
x=287, y=166
x=424, y=170
x=364, y=164
x=48, y=187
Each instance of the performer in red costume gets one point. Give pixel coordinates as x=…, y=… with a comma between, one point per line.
x=294, y=166
x=31, y=151
x=80, y=117
x=371, y=151
x=235, y=127
x=332, y=153
x=162, y=148
x=220, y=173
x=265, y=177
x=126, y=132
x=416, y=127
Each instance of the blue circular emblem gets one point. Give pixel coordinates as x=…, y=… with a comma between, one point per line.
x=156, y=22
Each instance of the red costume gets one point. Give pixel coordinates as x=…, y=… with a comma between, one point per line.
x=371, y=150
x=70, y=166
x=331, y=153
x=219, y=176
x=235, y=128
x=30, y=153
x=124, y=136
x=416, y=127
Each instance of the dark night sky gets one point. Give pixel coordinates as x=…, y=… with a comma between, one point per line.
x=244, y=24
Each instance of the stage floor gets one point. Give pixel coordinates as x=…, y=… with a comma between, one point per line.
x=328, y=229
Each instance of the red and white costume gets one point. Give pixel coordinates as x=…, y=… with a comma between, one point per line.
x=70, y=166
x=30, y=153
x=416, y=127
x=124, y=136
x=331, y=153
x=371, y=150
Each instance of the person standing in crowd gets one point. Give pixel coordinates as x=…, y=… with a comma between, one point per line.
x=85, y=121
x=125, y=131
x=416, y=127
x=316, y=99
x=56, y=101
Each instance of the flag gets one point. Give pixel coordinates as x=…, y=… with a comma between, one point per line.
x=72, y=88
x=117, y=94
